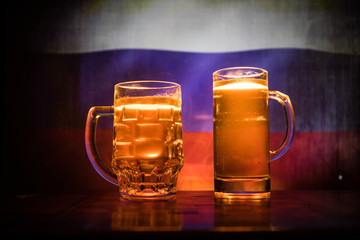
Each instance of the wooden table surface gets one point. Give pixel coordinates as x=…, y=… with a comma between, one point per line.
x=287, y=213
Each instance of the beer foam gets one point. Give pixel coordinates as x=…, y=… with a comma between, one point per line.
x=149, y=106
x=241, y=85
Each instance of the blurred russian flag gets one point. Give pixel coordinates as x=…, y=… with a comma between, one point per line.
x=62, y=58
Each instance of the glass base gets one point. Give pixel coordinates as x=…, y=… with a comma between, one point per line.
x=242, y=188
x=146, y=194
x=147, y=197
x=242, y=195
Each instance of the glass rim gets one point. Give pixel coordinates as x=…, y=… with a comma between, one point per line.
x=133, y=84
x=258, y=74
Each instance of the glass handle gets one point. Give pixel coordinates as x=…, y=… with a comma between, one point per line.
x=90, y=136
x=290, y=123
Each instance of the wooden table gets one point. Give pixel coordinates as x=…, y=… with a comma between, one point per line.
x=287, y=213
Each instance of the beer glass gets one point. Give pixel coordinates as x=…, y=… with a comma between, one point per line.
x=241, y=132
x=147, y=139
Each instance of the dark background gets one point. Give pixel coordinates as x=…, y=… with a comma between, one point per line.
x=46, y=95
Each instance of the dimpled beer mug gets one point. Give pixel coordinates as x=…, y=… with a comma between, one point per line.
x=241, y=132
x=147, y=140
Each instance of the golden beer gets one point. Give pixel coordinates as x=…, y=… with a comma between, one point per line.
x=241, y=137
x=147, y=144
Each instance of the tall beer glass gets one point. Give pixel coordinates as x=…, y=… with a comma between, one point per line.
x=147, y=140
x=241, y=132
